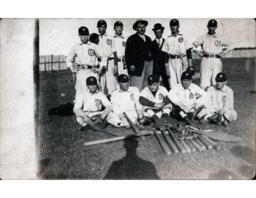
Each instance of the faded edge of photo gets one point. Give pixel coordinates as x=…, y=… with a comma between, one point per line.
x=18, y=57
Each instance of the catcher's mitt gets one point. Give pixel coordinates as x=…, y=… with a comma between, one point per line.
x=99, y=122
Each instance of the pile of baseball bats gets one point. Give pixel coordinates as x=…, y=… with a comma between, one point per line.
x=170, y=144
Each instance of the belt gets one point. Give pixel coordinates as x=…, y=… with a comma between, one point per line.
x=89, y=66
x=116, y=59
x=176, y=56
x=211, y=56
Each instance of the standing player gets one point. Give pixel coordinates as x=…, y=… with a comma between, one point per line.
x=119, y=48
x=180, y=56
x=83, y=60
x=221, y=101
x=107, y=78
x=213, y=48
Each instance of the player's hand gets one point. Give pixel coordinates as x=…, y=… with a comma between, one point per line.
x=132, y=68
x=87, y=119
x=159, y=105
x=76, y=67
x=167, y=70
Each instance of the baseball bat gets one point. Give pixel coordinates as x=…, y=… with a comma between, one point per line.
x=170, y=141
x=192, y=148
x=200, y=143
x=188, y=150
x=213, y=143
x=176, y=141
x=162, y=143
x=196, y=145
x=205, y=142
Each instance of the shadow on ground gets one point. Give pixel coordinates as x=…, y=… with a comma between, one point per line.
x=62, y=110
x=131, y=166
x=244, y=152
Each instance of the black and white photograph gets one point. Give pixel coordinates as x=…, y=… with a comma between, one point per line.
x=129, y=98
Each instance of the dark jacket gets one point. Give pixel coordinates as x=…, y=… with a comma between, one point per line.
x=136, y=52
x=159, y=57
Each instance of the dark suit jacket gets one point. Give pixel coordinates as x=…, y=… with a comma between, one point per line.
x=159, y=57
x=136, y=52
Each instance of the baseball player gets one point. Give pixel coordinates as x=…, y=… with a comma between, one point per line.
x=221, y=101
x=107, y=78
x=83, y=60
x=152, y=99
x=190, y=98
x=92, y=103
x=211, y=47
x=126, y=99
x=180, y=56
x=119, y=48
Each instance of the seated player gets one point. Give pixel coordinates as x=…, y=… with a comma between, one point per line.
x=92, y=103
x=190, y=98
x=126, y=100
x=152, y=99
x=221, y=101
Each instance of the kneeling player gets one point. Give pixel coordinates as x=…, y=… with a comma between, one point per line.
x=152, y=100
x=92, y=103
x=126, y=100
x=221, y=101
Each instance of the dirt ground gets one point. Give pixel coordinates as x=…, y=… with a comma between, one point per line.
x=63, y=155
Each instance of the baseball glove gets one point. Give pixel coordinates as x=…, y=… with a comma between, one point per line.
x=99, y=122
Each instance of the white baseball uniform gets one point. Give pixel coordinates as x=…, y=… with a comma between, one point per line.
x=128, y=102
x=189, y=100
x=222, y=101
x=159, y=96
x=119, y=48
x=84, y=54
x=176, y=46
x=91, y=104
x=211, y=45
x=108, y=80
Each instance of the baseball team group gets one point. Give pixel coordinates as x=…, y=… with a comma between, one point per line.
x=147, y=80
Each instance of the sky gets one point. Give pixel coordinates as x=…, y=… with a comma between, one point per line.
x=57, y=36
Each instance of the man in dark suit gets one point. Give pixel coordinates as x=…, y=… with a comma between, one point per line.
x=160, y=58
x=138, y=55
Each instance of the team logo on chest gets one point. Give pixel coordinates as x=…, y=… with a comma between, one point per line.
x=123, y=43
x=160, y=97
x=191, y=96
x=98, y=104
x=224, y=98
x=217, y=43
x=91, y=52
x=109, y=42
x=181, y=39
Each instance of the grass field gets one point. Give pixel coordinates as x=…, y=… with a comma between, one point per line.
x=63, y=156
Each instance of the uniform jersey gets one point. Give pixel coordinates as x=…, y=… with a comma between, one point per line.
x=158, y=97
x=123, y=101
x=91, y=102
x=211, y=44
x=106, y=44
x=175, y=45
x=221, y=99
x=84, y=53
x=119, y=46
x=189, y=98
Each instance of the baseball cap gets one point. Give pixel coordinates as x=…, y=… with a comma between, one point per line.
x=91, y=80
x=101, y=22
x=191, y=70
x=221, y=77
x=123, y=78
x=118, y=23
x=174, y=22
x=83, y=31
x=186, y=76
x=152, y=79
x=212, y=23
